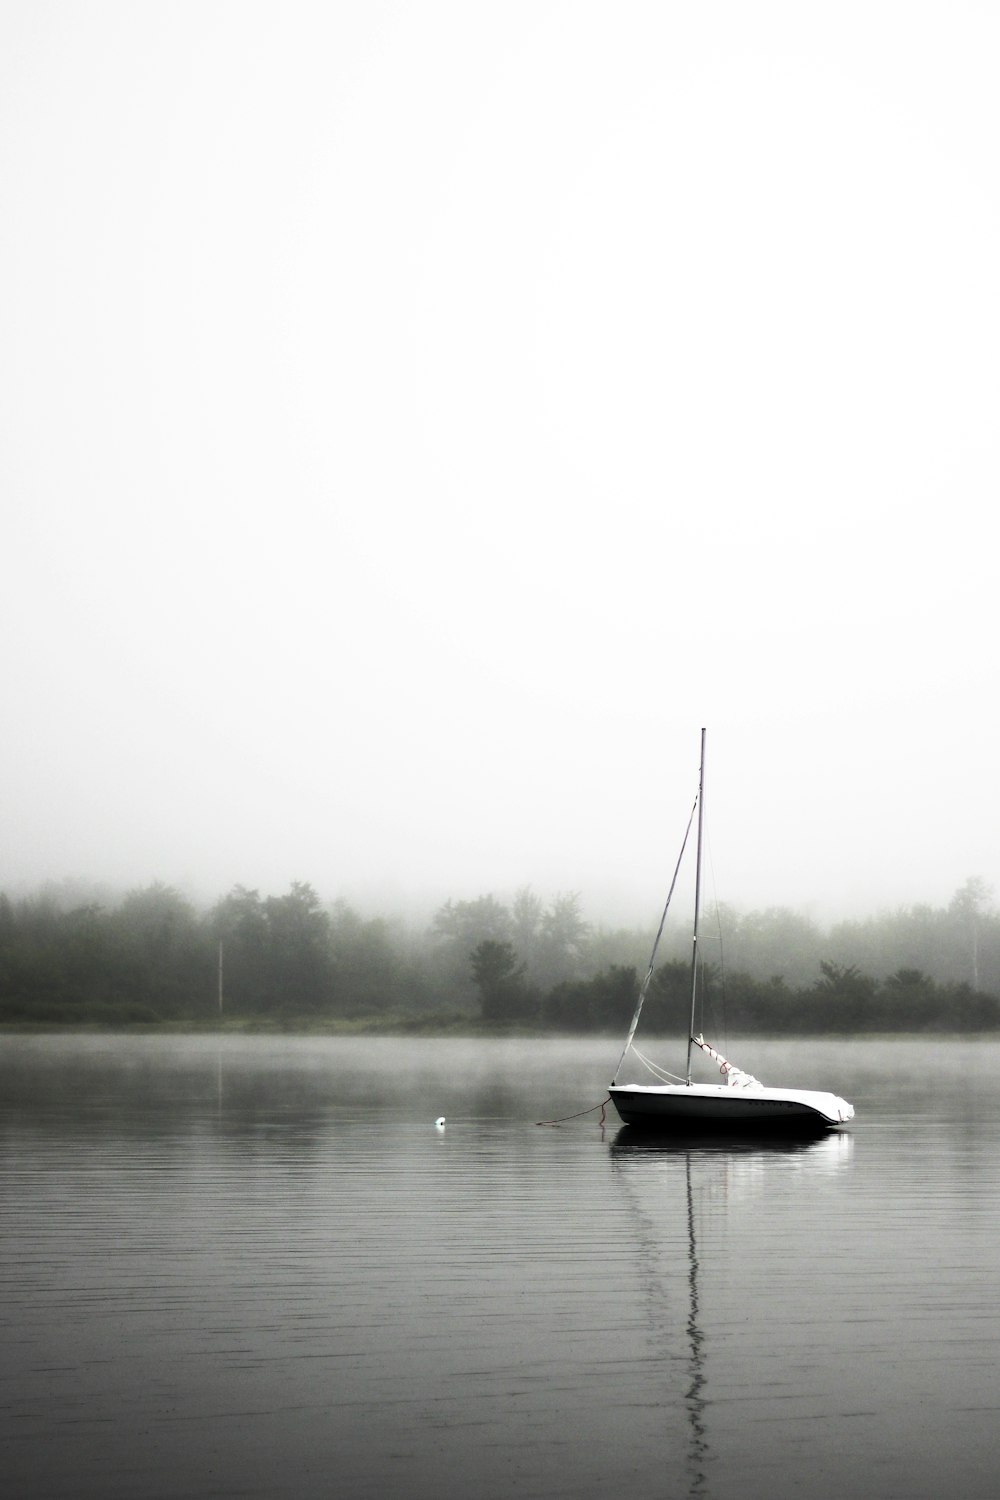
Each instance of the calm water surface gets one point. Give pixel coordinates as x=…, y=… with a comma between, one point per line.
x=255, y=1267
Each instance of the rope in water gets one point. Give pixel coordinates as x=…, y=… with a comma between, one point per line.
x=563, y=1118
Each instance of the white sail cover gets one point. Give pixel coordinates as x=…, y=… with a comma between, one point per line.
x=734, y=1076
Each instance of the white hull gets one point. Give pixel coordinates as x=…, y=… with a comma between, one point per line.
x=677, y=1105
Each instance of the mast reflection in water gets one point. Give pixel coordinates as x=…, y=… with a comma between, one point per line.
x=712, y=1164
x=698, y=1453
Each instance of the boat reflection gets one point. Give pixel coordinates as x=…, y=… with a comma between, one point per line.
x=820, y=1145
x=649, y=1167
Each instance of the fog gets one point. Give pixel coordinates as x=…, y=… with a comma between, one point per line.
x=421, y=419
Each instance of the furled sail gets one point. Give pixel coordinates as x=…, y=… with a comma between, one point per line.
x=734, y=1076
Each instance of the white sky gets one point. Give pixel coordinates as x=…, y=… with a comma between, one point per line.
x=419, y=418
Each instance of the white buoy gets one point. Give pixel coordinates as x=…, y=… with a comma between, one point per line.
x=439, y=1122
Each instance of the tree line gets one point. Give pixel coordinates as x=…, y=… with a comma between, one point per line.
x=152, y=958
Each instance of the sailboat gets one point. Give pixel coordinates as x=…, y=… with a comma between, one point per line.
x=741, y=1103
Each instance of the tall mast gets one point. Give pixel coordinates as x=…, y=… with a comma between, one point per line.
x=697, y=904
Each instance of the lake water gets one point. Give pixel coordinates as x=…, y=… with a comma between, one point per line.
x=255, y=1267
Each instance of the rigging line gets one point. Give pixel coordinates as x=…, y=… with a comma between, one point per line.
x=661, y=1073
x=656, y=943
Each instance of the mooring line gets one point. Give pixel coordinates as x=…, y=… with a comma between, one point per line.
x=563, y=1118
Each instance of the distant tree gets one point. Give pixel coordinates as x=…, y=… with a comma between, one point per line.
x=845, y=994
x=668, y=999
x=967, y=1010
x=277, y=951
x=910, y=937
x=240, y=915
x=968, y=908
x=486, y=917
x=33, y=963
x=156, y=914
x=92, y=959
x=910, y=1000
x=457, y=928
x=299, y=958
x=527, y=914
x=604, y=1002
x=562, y=942
x=239, y=922
x=374, y=967
x=504, y=992
x=609, y=947
x=163, y=949
x=762, y=943
x=749, y=1004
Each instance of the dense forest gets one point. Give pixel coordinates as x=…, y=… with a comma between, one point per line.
x=152, y=958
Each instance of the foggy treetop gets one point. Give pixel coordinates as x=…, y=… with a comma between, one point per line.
x=531, y=960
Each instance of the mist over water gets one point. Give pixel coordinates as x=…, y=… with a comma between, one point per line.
x=256, y=1266
x=421, y=419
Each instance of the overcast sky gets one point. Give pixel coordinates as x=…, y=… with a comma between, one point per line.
x=420, y=418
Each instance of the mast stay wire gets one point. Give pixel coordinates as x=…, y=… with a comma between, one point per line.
x=656, y=943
